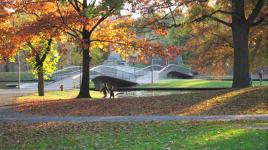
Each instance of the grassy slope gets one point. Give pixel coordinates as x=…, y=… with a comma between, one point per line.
x=150, y=135
x=222, y=102
x=173, y=83
x=13, y=76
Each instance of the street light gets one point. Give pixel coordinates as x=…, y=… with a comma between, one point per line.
x=13, y=24
x=18, y=70
x=152, y=70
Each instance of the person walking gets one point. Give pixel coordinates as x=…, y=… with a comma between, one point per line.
x=112, y=92
x=104, y=90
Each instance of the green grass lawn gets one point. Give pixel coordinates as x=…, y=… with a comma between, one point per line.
x=235, y=135
x=56, y=95
x=13, y=76
x=177, y=83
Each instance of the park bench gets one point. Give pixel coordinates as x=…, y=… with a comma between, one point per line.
x=12, y=85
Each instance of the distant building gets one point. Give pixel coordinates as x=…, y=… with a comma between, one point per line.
x=157, y=60
x=114, y=59
x=13, y=66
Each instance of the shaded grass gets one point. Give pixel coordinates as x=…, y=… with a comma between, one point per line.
x=56, y=95
x=3, y=85
x=136, y=135
x=176, y=83
x=13, y=76
x=220, y=102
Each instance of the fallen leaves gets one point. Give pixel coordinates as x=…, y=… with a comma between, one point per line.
x=222, y=102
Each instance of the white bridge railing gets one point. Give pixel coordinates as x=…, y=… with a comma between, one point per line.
x=126, y=73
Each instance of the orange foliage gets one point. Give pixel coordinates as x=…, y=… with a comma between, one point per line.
x=28, y=18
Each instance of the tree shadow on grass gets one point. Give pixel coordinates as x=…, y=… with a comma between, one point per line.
x=239, y=101
x=222, y=102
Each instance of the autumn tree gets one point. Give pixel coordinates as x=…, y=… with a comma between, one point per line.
x=212, y=47
x=91, y=24
x=240, y=21
x=77, y=19
x=43, y=57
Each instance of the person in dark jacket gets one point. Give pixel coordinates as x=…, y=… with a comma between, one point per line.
x=112, y=92
x=104, y=90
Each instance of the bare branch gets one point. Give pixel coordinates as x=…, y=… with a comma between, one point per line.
x=255, y=12
x=101, y=20
x=213, y=18
x=220, y=21
x=47, y=50
x=257, y=22
x=75, y=6
x=109, y=41
x=64, y=22
x=172, y=15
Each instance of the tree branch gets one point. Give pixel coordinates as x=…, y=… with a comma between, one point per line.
x=214, y=18
x=172, y=15
x=64, y=22
x=255, y=12
x=257, y=22
x=31, y=46
x=75, y=6
x=47, y=50
x=37, y=57
x=101, y=20
x=108, y=41
x=220, y=21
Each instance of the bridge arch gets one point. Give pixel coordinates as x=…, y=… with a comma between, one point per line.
x=111, y=81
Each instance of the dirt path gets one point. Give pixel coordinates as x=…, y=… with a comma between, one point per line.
x=8, y=114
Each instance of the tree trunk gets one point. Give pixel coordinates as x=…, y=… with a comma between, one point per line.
x=41, y=91
x=7, y=67
x=240, y=31
x=241, y=58
x=84, y=87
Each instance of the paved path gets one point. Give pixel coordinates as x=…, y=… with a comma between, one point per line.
x=8, y=96
x=8, y=114
x=33, y=119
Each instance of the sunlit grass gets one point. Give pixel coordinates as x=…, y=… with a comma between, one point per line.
x=174, y=83
x=56, y=95
x=213, y=102
x=136, y=135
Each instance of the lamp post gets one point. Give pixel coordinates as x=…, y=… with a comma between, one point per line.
x=18, y=70
x=80, y=78
x=152, y=70
x=18, y=57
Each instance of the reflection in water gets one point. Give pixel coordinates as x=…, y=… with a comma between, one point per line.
x=148, y=93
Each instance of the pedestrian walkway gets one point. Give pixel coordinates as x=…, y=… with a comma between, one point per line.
x=35, y=119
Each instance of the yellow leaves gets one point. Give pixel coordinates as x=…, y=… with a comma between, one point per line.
x=115, y=35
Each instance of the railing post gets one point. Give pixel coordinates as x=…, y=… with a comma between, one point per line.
x=152, y=69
